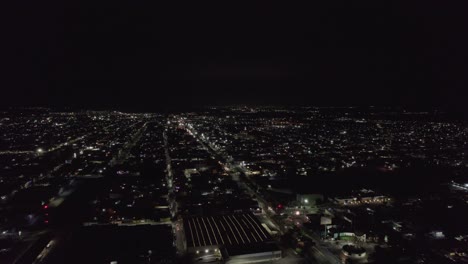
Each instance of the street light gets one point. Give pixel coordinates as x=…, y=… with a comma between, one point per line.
x=39, y=150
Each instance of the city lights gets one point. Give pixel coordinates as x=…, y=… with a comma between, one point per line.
x=197, y=182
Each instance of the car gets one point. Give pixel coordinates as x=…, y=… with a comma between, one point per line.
x=50, y=244
x=208, y=259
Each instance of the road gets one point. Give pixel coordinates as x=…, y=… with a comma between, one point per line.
x=319, y=252
x=177, y=224
x=33, y=242
x=124, y=152
x=45, y=252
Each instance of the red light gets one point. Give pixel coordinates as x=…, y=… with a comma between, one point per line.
x=280, y=206
x=46, y=221
x=46, y=206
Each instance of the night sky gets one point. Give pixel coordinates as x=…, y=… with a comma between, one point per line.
x=148, y=57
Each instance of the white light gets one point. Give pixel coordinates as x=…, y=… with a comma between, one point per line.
x=298, y=213
x=198, y=251
x=306, y=201
x=40, y=150
x=206, y=251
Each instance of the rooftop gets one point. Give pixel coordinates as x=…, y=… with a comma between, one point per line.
x=231, y=230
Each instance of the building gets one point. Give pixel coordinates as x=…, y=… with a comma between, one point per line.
x=237, y=237
x=362, y=197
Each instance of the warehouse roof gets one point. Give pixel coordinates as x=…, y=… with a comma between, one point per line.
x=229, y=230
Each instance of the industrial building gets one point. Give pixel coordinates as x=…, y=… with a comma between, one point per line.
x=237, y=237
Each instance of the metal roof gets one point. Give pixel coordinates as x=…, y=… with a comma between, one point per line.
x=228, y=230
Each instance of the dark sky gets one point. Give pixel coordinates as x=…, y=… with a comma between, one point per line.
x=147, y=56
